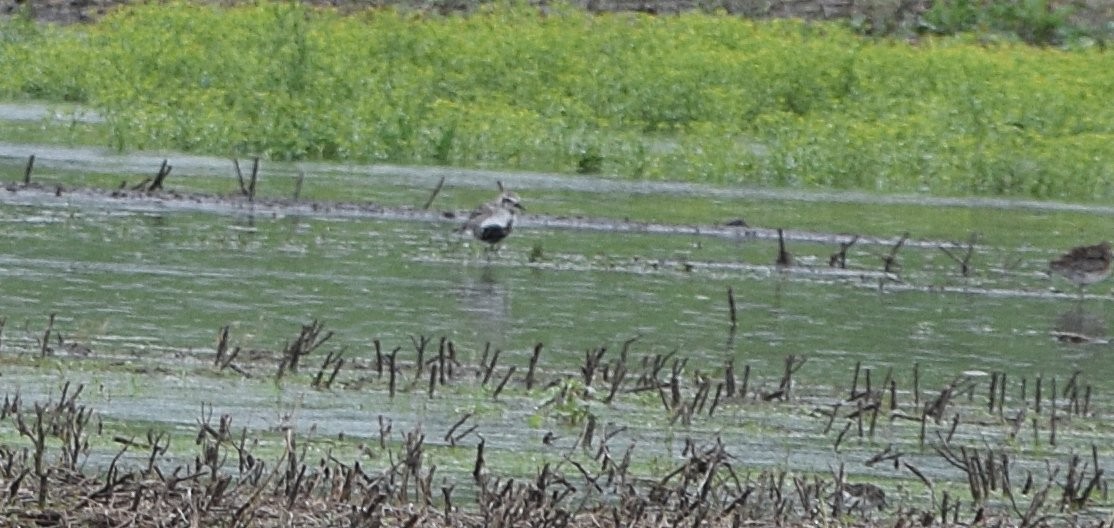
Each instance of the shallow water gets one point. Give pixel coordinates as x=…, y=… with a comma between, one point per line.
x=149, y=282
x=130, y=277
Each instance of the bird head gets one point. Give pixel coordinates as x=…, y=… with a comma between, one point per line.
x=510, y=200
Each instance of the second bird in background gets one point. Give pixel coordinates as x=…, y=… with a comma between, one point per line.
x=1084, y=265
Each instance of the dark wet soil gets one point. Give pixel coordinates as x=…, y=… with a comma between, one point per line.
x=73, y=11
x=875, y=17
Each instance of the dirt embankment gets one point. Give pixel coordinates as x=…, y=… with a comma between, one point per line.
x=873, y=16
x=73, y=11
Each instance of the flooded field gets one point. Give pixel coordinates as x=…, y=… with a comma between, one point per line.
x=141, y=287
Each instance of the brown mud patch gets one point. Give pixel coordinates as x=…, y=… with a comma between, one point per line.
x=74, y=11
x=873, y=17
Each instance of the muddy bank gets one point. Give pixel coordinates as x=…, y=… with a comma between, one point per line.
x=137, y=197
x=872, y=17
x=74, y=11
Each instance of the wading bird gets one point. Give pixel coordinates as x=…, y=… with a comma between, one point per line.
x=493, y=221
x=1084, y=265
x=863, y=497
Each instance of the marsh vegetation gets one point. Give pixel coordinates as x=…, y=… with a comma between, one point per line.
x=691, y=97
x=273, y=319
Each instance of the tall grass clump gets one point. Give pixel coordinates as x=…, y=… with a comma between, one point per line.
x=32, y=68
x=1038, y=22
x=690, y=97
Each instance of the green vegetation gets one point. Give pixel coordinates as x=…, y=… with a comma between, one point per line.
x=693, y=97
x=1034, y=21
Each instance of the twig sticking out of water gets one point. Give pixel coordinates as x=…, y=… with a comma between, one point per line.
x=699, y=399
x=223, y=358
x=715, y=400
x=1078, y=500
x=1033, y=515
x=592, y=359
x=453, y=439
x=964, y=261
x=889, y=262
x=64, y=420
x=385, y=426
x=893, y=395
x=618, y=373
x=44, y=345
x=784, y=259
x=651, y=367
x=293, y=475
x=998, y=393
x=222, y=345
x=254, y=178
x=489, y=368
x=1076, y=494
x=142, y=185
x=1086, y=402
x=676, y=370
x=433, y=195
x=589, y=432
x=927, y=482
x=334, y=360
x=1078, y=405
x=392, y=364
x=308, y=340
x=438, y=365
x=888, y=454
x=855, y=382
x=533, y=365
x=419, y=343
x=478, y=467
x=378, y=358
x=936, y=408
x=917, y=384
x=27, y=170
x=506, y=378
x=1052, y=411
x=247, y=189
x=729, y=378
x=746, y=381
x=838, y=498
x=1037, y=396
x=982, y=471
x=36, y=432
x=793, y=363
x=731, y=307
x=446, y=358
x=298, y=184
x=160, y=176
x=432, y=381
x=839, y=258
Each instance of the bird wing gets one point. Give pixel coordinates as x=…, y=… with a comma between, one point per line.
x=476, y=216
x=501, y=218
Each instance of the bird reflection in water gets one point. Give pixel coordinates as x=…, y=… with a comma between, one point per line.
x=486, y=299
x=1080, y=326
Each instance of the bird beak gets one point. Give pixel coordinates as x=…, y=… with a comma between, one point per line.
x=519, y=207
